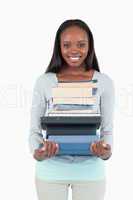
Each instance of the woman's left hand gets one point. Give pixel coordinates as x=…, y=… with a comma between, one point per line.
x=101, y=149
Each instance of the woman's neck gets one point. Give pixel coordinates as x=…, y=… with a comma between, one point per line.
x=74, y=70
x=75, y=75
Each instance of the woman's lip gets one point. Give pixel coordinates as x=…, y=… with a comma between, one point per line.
x=74, y=56
x=74, y=59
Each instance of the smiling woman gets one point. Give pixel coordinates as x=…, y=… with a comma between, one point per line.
x=74, y=46
x=73, y=58
x=73, y=41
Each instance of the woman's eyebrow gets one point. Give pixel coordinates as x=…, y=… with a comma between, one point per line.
x=77, y=41
x=66, y=41
x=82, y=41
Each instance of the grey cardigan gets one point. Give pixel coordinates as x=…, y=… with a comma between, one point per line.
x=42, y=92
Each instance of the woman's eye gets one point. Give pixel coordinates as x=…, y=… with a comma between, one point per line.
x=82, y=45
x=66, y=45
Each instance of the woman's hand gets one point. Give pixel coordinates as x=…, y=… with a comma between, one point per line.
x=101, y=149
x=48, y=150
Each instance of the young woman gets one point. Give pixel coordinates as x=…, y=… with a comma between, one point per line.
x=73, y=58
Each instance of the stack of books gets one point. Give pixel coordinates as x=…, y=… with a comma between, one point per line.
x=74, y=99
x=73, y=117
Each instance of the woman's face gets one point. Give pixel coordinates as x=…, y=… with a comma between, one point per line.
x=74, y=46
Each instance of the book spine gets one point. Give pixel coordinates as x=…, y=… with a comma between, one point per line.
x=84, y=101
x=72, y=92
x=73, y=107
x=74, y=114
x=81, y=81
x=77, y=85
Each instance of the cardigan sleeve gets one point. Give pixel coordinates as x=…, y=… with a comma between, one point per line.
x=38, y=109
x=107, y=111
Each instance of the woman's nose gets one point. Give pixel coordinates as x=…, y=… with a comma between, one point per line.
x=74, y=50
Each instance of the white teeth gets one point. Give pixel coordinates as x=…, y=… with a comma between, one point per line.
x=74, y=58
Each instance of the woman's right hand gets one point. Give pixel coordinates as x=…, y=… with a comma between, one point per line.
x=48, y=150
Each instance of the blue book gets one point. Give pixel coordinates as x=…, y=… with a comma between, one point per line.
x=74, y=145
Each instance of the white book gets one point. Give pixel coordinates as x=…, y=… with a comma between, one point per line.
x=73, y=114
x=77, y=84
x=74, y=111
x=71, y=92
x=72, y=100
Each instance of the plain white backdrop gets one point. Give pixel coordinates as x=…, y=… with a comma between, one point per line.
x=27, y=32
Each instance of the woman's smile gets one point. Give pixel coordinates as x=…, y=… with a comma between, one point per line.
x=74, y=58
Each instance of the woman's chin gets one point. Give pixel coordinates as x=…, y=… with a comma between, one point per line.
x=74, y=64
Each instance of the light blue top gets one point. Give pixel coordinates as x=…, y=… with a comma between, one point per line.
x=70, y=167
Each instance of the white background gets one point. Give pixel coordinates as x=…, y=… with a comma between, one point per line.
x=27, y=32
